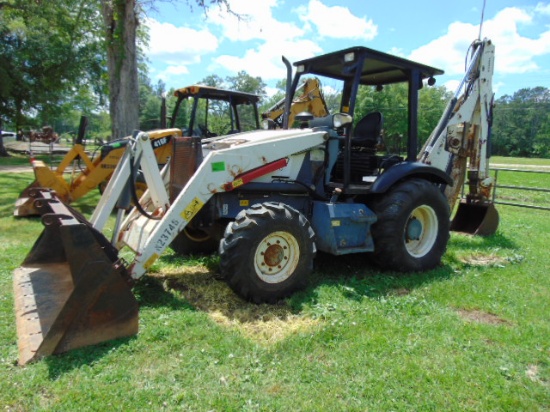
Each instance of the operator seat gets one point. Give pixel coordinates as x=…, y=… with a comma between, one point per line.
x=363, y=158
x=367, y=131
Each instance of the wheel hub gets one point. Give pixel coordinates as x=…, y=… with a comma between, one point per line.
x=421, y=231
x=277, y=257
x=414, y=229
x=274, y=255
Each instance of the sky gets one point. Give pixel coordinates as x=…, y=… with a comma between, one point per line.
x=186, y=45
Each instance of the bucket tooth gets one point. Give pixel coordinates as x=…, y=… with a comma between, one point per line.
x=69, y=291
x=479, y=219
x=24, y=205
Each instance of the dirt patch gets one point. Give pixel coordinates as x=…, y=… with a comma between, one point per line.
x=400, y=292
x=482, y=259
x=15, y=169
x=533, y=374
x=474, y=315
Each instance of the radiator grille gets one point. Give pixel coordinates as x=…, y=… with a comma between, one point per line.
x=186, y=158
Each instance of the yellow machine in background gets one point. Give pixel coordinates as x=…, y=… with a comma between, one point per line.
x=309, y=98
x=95, y=172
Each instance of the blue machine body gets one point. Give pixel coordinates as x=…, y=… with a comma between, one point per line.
x=342, y=228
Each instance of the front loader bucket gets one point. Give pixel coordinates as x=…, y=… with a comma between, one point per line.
x=479, y=219
x=70, y=292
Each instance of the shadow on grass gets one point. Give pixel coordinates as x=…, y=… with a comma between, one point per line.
x=149, y=293
x=63, y=363
x=356, y=278
x=470, y=242
x=354, y=275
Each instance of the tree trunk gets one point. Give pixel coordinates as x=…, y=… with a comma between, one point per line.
x=121, y=23
x=3, y=151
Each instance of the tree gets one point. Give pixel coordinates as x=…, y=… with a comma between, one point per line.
x=150, y=101
x=521, y=125
x=3, y=151
x=120, y=18
x=48, y=51
x=392, y=101
x=121, y=22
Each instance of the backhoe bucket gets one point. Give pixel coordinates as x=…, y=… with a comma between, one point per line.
x=479, y=219
x=70, y=291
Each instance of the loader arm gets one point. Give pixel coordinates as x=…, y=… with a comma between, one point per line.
x=239, y=161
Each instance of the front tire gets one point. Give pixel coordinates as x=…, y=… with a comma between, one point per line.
x=412, y=229
x=267, y=252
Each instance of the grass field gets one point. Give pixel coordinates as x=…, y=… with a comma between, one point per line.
x=471, y=335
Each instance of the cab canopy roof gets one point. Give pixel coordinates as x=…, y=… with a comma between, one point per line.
x=377, y=68
x=213, y=93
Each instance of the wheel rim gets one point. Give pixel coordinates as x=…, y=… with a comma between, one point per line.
x=196, y=235
x=276, y=257
x=421, y=231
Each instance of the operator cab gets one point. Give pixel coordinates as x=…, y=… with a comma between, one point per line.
x=204, y=111
x=354, y=153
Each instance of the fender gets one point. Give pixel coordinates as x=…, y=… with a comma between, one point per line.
x=409, y=169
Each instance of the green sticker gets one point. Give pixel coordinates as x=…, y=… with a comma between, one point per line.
x=218, y=166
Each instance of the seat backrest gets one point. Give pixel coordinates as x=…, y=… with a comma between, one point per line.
x=367, y=130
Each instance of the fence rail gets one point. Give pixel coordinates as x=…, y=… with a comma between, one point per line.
x=524, y=188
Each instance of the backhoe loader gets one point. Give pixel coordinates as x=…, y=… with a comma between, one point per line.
x=308, y=98
x=272, y=198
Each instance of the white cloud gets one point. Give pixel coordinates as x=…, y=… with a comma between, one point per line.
x=543, y=8
x=178, y=45
x=176, y=70
x=254, y=20
x=337, y=22
x=515, y=54
x=452, y=85
x=266, y=60
x=397, y=51
x=283, y=37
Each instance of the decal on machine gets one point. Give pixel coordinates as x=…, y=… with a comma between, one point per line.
x=150, y=261
x=160, y=142
x=192, y=209
x=218, y=166
x=166, y=236
x=236, y=183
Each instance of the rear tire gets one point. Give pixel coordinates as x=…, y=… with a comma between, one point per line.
x=267, y=252
x=412, y=229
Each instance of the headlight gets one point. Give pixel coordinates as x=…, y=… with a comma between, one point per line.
x=341, y=119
